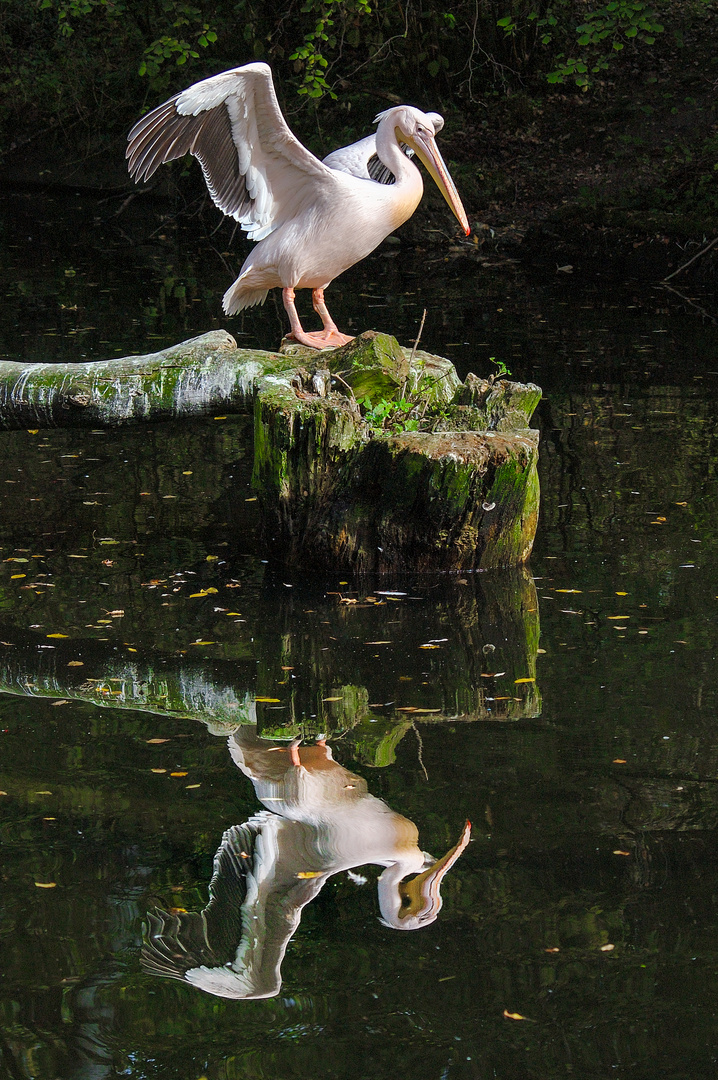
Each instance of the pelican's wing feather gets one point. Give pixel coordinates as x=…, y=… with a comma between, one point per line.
x=255, y=168
x=177, y=943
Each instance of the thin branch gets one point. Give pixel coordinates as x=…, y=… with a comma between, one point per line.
x=418, y=336
x=690, y=262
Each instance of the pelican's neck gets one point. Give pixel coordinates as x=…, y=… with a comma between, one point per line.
x=390, y=154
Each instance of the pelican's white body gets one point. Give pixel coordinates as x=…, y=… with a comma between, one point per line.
x=313, y=219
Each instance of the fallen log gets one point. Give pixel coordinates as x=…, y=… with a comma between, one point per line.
x=369, y=457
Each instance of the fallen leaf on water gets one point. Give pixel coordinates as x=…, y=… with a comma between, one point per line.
x=178, y=774
x=205, y=592
x=156, y=742
x=618, y=617
x=618, y=761
x=621, y=594
x=430, y=646
x=526, y=679
x=617, y=852
x=514, y=1016
x=332, y=699
x=75, y=663
x=191, y=787
x=377, y=642
x=607, y=948
x=62, y=701
x=211, y=558
x=554, y=949
x=57, y=635
x=13, y=577
x=569, y=590
x=309, y=873
x=271, y=699
x=158, y=770
x=46, y=884
x=203, y=642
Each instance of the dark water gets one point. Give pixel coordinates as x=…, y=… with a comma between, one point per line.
x=568, y=712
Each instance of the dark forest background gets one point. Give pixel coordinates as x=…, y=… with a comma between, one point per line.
x=564, y=112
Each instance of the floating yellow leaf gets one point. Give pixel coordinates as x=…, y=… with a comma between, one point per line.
x=617, y=852
x=62, y=701
x=309, y=873
x=619, y=761
x=513, y=1016
x=569, y=590
x=191, y=787
x=43, y=793
x=238, y=613
x=158, y=770
x=614, y=617
x=332, y=698
x=75, y=663
x=58, y=635
x=46, y=884
x=14, y=577
x=203, y=642
x=429, y=646
x=34, y=431
x=179, y=774
x=621, y=594
x=271, y=699
x=204, y=592
x=526, y=679
x=554, y=949
x=211, y=558
x=377, y=642
x=156, y=742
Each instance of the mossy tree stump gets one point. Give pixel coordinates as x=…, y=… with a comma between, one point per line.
x=459, y=493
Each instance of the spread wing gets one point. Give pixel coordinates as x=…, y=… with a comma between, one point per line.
x=255, y=168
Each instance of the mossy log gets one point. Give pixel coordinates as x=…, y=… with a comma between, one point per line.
x=368, y=457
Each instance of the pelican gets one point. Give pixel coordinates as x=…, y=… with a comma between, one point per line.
x=313, y=219
x=320, y=820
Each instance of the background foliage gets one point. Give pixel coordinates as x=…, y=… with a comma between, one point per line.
x=69, y=61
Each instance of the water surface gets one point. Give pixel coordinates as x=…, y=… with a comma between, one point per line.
x=568, y=712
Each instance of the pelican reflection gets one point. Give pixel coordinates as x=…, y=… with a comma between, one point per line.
x=320, y=820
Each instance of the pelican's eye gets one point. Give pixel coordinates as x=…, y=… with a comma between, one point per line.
x=405, y=901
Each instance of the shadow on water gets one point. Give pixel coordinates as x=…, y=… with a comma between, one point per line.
x=567, y=710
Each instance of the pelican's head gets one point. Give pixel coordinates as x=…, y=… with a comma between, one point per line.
x=409, y=905
x=417, y=130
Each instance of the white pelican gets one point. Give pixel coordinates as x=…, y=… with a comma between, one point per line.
x=314, y=218
x=321, y=821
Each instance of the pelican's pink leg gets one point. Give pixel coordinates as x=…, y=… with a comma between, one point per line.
x=294, y=752
x=328, y=338
x=333, y=334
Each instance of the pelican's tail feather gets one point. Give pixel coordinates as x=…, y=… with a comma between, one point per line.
x=241, y=295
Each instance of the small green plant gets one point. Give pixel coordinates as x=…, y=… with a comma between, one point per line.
x=396, y=416
x=501, y=369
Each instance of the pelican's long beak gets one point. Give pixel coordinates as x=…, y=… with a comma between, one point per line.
x=429, y=154
x=421, y=897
